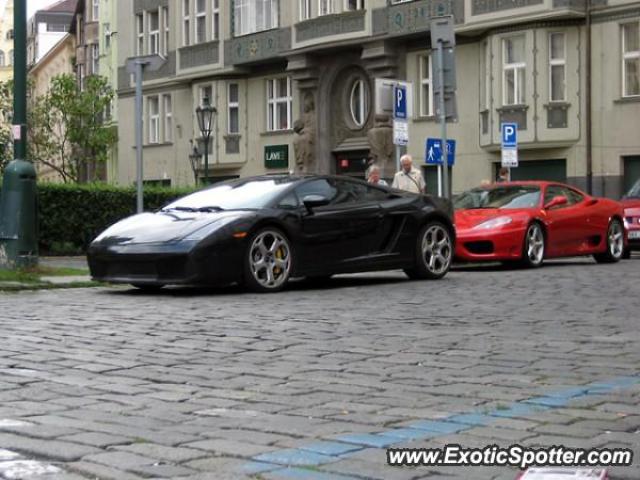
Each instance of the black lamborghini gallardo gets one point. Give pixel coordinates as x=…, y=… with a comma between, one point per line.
x=262, y=231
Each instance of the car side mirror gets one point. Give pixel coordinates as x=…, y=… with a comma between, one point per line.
x=313, y=201
x=556, y=201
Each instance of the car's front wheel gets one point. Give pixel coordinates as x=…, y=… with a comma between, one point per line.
x=268, y=261
x=434, y=252
x=533, y=247
x=615, y=244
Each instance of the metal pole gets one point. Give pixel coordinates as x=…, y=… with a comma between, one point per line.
x=206, y=159
x=398, y=155
x=20, y=80
x=139, y=197
x=443, y=125
x=588, y=95
x=439, y=180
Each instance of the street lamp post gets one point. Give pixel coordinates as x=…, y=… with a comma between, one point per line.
x=205, y=114
x=194, y=158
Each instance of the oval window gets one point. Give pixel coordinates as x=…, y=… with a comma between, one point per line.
x=359, y=102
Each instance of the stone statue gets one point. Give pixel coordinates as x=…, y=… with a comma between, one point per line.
x=304, y=143
x=380, y=138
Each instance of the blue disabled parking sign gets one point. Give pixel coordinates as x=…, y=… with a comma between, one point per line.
x=509, y=135
x=433, y=153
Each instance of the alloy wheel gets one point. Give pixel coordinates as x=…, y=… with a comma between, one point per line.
x=437, y=249
x=270, y=259
x=535, y=245
x=615, y=237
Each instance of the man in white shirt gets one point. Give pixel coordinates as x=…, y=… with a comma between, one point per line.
x=408, y=178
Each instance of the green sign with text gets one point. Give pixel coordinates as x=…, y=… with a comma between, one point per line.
x=276, y=156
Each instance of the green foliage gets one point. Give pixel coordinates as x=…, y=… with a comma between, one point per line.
x=71, y=215
x=68, y=133
x=6, y=113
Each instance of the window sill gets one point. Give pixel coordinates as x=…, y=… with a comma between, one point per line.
x=512, y=108
x=424, y=119
x=630, y=99
x=557, y=105
x=275, y=133
x=155, y=145
x=241, y=35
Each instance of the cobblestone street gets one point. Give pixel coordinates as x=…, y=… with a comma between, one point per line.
x=316, y=382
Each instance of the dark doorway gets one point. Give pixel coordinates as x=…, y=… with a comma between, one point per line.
x=631, y=172
x=352, y=163
x=550, y=170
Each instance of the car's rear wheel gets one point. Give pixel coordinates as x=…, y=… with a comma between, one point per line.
x=434, y=252
x=268, y=261
x=533, y=247
x=615, y=243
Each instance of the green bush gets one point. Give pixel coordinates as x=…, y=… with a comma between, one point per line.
x=71, y=215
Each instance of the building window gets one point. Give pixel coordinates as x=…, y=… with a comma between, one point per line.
x=485, y=89
x=215, y=20
x=557, y=67
x=95, y=10
x=165, y=30
x=154, y=32
x=631, y=59
x=305, y=10
x=153, y=108
x=106, y=28
x=325, y=7
x=252, y=16
x=95, y=59
x=168, y=117
x=350, y=5
x=279, y=104
x=186, y=23
x=359, y=102
x=233, y=109
x=426, y=86
x=514, y=67
x=201, y=22
x=11, y=57
x=2, y=60
x=139, y=34
x=206, y=94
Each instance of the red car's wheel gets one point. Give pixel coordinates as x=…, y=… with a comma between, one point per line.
x=533, y=247
x=615, y=244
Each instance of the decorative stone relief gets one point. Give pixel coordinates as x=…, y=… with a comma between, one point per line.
x=304, y=142
x=329, y=25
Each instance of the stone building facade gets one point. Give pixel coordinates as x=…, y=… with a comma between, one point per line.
x=274, y=67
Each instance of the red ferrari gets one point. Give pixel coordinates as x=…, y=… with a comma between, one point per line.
x=531, y=221
x=631, y=204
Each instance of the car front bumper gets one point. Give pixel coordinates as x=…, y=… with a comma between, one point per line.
x=494, y=245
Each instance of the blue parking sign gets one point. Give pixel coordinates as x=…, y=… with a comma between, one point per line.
x=509, y=135
x=400, y=101
x=433, y=152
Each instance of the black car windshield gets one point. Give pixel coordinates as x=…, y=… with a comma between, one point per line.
x=502, y=197
x=251, y=194
x=634, y=192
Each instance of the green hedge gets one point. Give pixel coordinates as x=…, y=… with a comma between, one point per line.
x=71, y=216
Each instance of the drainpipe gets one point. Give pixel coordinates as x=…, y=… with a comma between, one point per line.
x=588, y=116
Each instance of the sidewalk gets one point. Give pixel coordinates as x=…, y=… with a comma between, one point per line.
x=53, y=281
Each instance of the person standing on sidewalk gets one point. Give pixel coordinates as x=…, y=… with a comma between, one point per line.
x=408, y=178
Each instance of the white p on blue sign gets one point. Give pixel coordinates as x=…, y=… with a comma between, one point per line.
x=509, y=135
x=400, y=101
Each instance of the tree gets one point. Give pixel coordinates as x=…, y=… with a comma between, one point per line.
x=68, y=133
x=6, y=114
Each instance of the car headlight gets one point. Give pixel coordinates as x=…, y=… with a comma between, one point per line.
x=494, y=223
x=209, y=228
